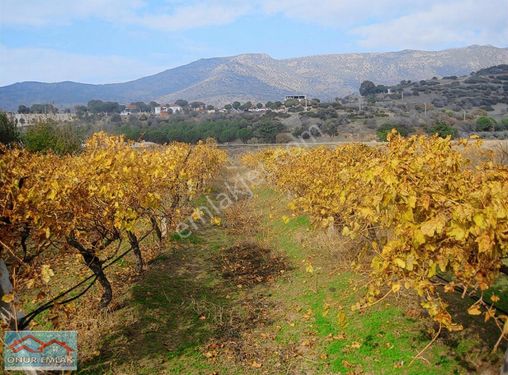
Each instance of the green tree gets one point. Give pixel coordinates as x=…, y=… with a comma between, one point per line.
x=50, y=136
x=246, y=106
x=266, y=130
x=245, y=134
x=142, y=106
x=330, y=127
x=152, y=105
x=383, y=131
x=23, y=109
x=197, y=105
x=443, y=130
x=81, y=110
x=291, y=103
x=8, y=130
x=228, y=107
x=367, y=88
x=237, y=105
x=43, y=108
x=485, y=123
x=502, y=125
x=98, y=106
x=182, y=103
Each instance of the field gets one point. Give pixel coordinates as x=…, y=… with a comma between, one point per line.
x=260, y=288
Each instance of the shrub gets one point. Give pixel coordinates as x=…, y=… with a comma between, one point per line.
x=383, y=131
x=50, y=136
x=442, y=129
x=8, y=130
x=485, y=123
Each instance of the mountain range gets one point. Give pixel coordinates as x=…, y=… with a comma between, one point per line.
x=259, y=77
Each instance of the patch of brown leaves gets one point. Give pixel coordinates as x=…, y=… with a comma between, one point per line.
x=248, y=264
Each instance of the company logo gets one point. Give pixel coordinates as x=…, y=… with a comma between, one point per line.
x=40, y=350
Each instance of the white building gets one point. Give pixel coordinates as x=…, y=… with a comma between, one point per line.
x=175, y=108
x=296, y=97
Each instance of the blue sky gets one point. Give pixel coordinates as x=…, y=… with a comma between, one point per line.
x=99, y=41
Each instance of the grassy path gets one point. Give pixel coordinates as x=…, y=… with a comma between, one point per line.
x=184, y=317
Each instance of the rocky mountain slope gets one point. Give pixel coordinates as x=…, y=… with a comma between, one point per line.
x=485, y=89
x=259, y=77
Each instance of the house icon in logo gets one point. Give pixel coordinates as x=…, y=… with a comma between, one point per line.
x=40, y=350
x=34, y=345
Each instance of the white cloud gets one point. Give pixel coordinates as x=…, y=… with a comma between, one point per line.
x=38, y=64
x=174, y=15
x=37, y=13
x=342, y=14
x=193, y=16
x=380, y=24
x=440, y=25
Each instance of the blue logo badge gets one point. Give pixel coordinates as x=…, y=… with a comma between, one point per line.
x=40, y=350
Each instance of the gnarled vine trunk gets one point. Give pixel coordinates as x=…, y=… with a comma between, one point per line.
x=156, y=227
x=94, y=263
x=133, y=240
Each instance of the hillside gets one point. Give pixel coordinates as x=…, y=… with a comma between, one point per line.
x=486, y=89
x=260, y=77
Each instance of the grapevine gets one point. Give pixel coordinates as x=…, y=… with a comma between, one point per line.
x=56, y=206
x=419, y=204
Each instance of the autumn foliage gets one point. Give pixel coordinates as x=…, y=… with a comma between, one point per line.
x=82, y=204
x=418, y=204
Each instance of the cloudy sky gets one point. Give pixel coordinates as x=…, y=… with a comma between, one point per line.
x=98, y=41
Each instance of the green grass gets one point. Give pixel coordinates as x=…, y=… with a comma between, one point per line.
x=160, y=328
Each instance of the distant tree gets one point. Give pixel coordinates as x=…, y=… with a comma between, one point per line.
x=246, y=106
x=210, y=107
x=266, y=130
x=98, y=106
x=504, y=122
x=237, y=105
x=443, y=130
x=485, y=123
x=43, y=108
x=228, y=107
x=330, y=127
x=245, y=134
x=8, y=130
x=367, y=88
x=385, y=129
x=23, y=109
x=259, y=105
x=182, y=103
x=291, y=103
x=81, y=110
x=49, y=136
x=116, y=118
x=270, y=105
x=142, y=106
x=277, y=104
x=197, y=105
x=152, y=105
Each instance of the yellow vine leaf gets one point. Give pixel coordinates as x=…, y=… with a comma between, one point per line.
x=474, y=310
x=8, y=298
x=46, y=273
